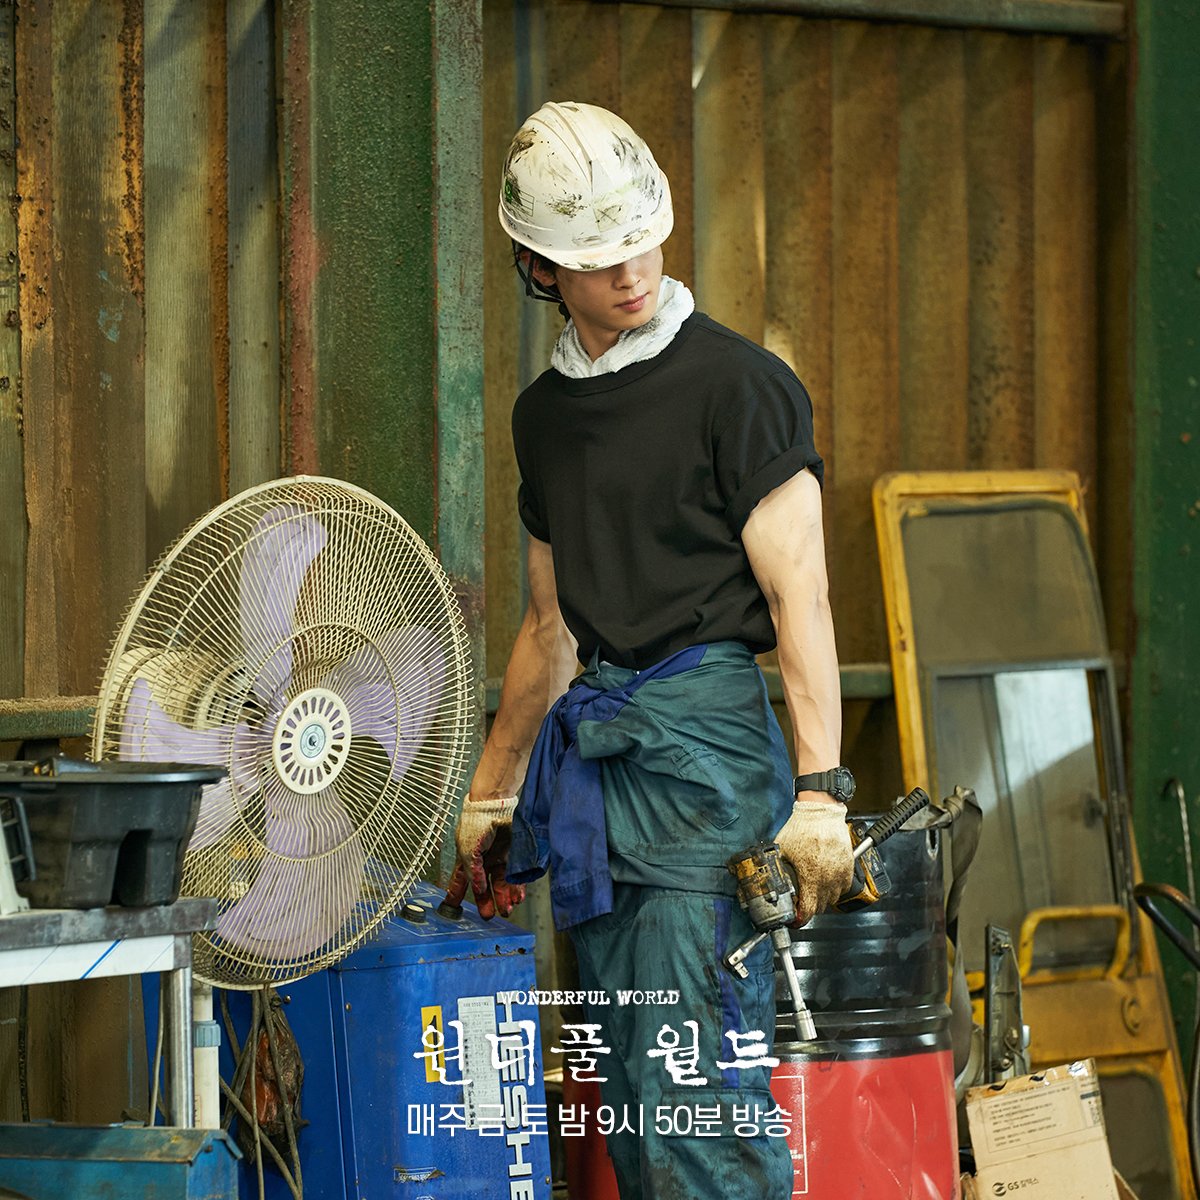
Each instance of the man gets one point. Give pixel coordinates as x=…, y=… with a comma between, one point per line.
x=671, y=493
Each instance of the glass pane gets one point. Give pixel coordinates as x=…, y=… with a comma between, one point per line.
x=1024, y=740
x=1001, y=582
x=1135, y=1115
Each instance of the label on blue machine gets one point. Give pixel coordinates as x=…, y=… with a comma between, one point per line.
x=480, y=1045
x=484, y=1058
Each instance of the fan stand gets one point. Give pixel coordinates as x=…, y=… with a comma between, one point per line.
x=206, y=1055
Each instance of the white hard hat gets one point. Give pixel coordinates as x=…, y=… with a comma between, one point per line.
x=581, y=189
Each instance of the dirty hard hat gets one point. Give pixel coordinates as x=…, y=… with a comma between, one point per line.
x=581, y=189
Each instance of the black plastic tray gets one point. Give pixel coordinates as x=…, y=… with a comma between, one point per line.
x=107, y=832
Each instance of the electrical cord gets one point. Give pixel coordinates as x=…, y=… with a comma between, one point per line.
x=1173, y=790
x=23, y=1051
x=245, y=1068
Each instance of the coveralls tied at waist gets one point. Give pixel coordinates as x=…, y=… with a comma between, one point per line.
x=653, y=777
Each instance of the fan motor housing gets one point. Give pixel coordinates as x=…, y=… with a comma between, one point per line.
x=311, y=742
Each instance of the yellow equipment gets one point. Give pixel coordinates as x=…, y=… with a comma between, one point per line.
x=1004, y=682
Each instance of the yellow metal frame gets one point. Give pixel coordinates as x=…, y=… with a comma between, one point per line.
x=1081, y=912
x=1117, y=1013
x=909, y=493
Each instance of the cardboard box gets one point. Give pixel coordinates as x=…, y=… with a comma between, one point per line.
x=1124, y=1191
x=1041, y=1137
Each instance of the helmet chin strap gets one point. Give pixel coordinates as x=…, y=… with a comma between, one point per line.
x=534, y=289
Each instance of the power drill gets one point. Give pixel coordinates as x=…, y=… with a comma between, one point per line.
x=766, y=889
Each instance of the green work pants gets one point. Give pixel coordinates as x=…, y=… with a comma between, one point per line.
x=684, y=1142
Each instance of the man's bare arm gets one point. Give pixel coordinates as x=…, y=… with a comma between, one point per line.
x=785, y=543
x=540, y=667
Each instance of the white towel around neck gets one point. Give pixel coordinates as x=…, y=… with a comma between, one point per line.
x=675, y=305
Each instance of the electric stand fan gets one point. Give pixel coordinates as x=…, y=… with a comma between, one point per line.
x=305, y=638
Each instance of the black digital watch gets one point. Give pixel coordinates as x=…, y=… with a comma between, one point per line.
x=839, y=783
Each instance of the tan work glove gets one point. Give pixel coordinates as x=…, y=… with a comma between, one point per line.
x=482, y=838
x=815, y=841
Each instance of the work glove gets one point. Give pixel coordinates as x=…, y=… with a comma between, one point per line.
x=482, y=838
x=815, y=841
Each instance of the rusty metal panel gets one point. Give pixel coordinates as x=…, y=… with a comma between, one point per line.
x=253, y=237
x=356, y=284
x=934, y=275
x=82, y=365
x=797, y=147
x=866, y=366
x=1113, y=532
x=35, y=387
x=1065, y=215
x=12, y=490
x=187, y=348
x=300, y=256
x=1078, y=18
x=359, y=259
x=503, y=306
x=1000, y=216
x=583, y=64
x=457, y=120
x=80, y=317
x=730, y=242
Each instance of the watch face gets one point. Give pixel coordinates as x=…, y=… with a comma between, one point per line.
x=843, y=783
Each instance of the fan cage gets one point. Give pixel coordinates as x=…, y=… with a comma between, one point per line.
x=300, y=588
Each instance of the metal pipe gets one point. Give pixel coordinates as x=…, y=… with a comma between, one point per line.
x=206, y=1057
x=181, y=1081
x=1073, y=18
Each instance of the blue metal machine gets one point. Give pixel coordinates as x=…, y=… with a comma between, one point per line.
x=388, y=1037
x=115, y=1162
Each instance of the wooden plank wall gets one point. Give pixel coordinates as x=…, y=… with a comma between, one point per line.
x=914, y=218
x=139, y=376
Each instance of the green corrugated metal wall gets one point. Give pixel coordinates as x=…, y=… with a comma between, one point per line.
x=1165, y=681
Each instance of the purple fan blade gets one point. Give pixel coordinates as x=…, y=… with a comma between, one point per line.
x=149, y=735
x=281, y=549
x=218, y=810
x=392, y=691
x=308, y=883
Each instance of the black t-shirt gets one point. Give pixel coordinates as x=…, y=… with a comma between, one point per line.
x=642, y=479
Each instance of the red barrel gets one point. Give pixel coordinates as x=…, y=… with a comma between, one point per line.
x=872, y=1098
x=590, y=1174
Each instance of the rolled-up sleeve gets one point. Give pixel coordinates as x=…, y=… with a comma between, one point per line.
x=766, y=440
